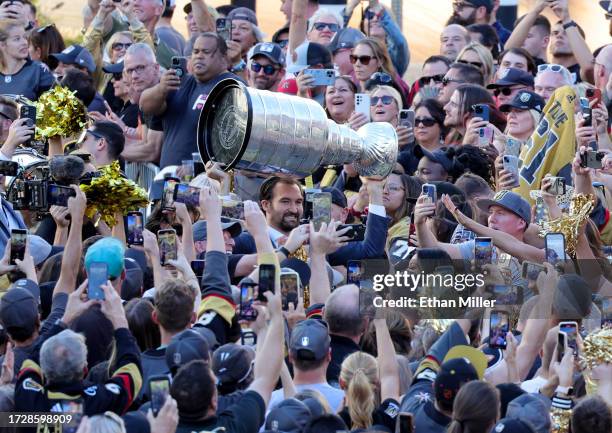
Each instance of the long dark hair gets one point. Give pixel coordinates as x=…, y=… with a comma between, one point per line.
x=436, y=111
x=49, y=40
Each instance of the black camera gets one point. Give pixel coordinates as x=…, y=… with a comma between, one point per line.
x=592, y=159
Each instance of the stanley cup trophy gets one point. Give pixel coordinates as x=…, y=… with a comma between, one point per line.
x=273, y=133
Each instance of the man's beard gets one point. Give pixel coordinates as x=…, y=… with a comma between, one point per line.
x=287, y=226
x=457, y=19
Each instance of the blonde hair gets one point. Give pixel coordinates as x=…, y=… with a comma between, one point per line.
x=5, y=27
x=108, y=422
x=396, y=95
x=485, y=57
x=360, y=376
x=108, y=48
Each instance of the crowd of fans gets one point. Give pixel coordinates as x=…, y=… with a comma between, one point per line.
x=496, y=119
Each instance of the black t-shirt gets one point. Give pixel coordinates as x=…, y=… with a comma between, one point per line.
x=575, y=69
x=245, y=416
x=31, y=81
x=384, y=416
x=151, y=122
x=341, y=347
x=129, y=114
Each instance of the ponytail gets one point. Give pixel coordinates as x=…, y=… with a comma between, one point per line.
x=361, y=400
x=455, y=427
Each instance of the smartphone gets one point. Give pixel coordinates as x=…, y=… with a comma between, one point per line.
x=356, y=232
x=354, y=272
x=570, y=329
x=362, y=104
x=406, y=118
x=159, y=388
x=167, y=246
x=511, y=164
x=429, y=190
x=530, y=270
x=179, y=64
x=97, y=275
x=482, y=111
x=19, y=238
x=585, y=107
x=606, y=312
x=557, y=186
x=322, y=77
x=168, y=195
x=224, y=28
x=197, y=266
x=541, y=211
x=267, y=278
x=405, y=423
x=58, y=195
x=28, y=112
x=592, y=159
x=561, y=345
x=485, y=136
x=499, y=325
x=321, y=209
x=290, y=288
x=248, y=338
x=190, y=195
x=247, y=295
x=483, y=251
x=600, y=191
x=134, y=223
x=411, y=231
x=594, y=95
x=555, y=248
x=308, y=194
x=513, y=147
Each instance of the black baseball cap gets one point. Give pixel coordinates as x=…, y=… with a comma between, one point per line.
x=477, y=3
x=512, y=77
x=453, y=374
x=525, y=100
x=270, y=50
x=233, y=363
x=337, y=196
x=510, y=201
x=310, y=340
x=289, y=416
x=438, y=156
x=231, y=225
x=310, y=54
x=276, y=35
x=19, y=309
x=511, y=425
x=184, y=347
x=113, y=68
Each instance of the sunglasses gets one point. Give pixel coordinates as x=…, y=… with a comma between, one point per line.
x=119, y=46
x=117, y=77
x=381, y=77
x=423, y=81
x=364, y=60
x=446, y=81
x=386, y=100
x=268, y=69
x=506, y=91
x=333, y=27
x=550, y=67
x=283, y=43
x=368, y=15
x=425, y=121
x=465, y=62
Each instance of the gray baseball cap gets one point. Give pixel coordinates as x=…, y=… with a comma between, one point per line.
x=231, y=225
x=510, y=201
x=345, y=38
x=533, y=409
x=310, y=340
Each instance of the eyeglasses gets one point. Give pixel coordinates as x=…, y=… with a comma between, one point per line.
x=117, y=77
x=425, y=121
x=465, y=62
x=333, y=27
x=423, y=81
x=445, y=81
x=569, y=77
x=364, y=60
x=140, y=69
x=120, y=46
x=283, y=43
x=268, y=69
x=386, y=100
x=506, y=91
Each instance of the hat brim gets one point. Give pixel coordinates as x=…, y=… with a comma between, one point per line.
x=233, y=227
x=61, y=57
x=502, y=83
x=266, y=55
x=475, y=356
x=485, y=203
x=505, y=108
x=113, y=68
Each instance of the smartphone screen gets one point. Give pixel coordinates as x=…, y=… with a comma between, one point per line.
x=561, y=344
x=267, y=276
x=187, y=194
x=483, y=251
x=168, y=195
x=18, y=244
x=353, y=272
x=134, y=222
x=247, y=312
x=224, y=28
x=97, y=275
x=167, y=246
x=58, y=195
x=404, y=423
x=570, y=329
x=321, y=209
x=429, y=190
x=532, y=270
x=159, y=388
x=555, y=248
x=499, y=325
x=197, y=266
x=290, y=284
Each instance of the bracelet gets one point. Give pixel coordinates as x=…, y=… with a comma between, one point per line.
x=570, y=24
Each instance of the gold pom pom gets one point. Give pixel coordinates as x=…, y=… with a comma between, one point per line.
x=112, y=193
x=59, y=113
x=597, y=348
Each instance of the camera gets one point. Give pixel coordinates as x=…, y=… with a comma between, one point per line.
x=557, y=186
x=591, y=159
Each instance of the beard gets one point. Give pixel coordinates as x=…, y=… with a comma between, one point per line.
x=457, y=19
x=286, y=224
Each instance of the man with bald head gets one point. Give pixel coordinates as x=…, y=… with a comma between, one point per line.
x=346, y=326
x=452, y=40
x=603, y=69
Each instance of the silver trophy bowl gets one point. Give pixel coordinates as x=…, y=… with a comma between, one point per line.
x=278, y=134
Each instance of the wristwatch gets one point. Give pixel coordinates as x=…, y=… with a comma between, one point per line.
x=567, y=390
x=239, y=67
x=570, y=24
x=285, y=251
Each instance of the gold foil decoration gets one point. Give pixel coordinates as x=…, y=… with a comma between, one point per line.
x=560, y=420
x=597, y=348
x=112, y=193
x=59, y=113
x=579, y=210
